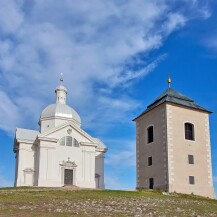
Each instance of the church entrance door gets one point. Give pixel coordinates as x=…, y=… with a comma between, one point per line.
x=68, y=177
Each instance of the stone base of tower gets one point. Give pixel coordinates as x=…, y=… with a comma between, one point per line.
x=194, y=190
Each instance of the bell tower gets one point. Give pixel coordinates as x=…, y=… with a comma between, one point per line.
x=173, y=146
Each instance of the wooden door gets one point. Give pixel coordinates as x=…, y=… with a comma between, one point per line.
x=68, y=177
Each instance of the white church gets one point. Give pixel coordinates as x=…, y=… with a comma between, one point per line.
x=60, y=153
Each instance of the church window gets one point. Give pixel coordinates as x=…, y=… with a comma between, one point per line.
x=149, y=161
x=189, y=131
x=76, y=144
x=191, y=159
x=62, y=141
x=150, y=134
x=191, y=180
x=68, y=141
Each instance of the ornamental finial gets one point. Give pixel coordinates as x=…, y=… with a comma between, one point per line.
x=169, y=81
x=61, y=78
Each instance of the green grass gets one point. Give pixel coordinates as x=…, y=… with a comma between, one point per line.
x=26, y=201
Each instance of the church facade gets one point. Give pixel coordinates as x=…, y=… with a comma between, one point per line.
x=173, y=146
x=61, y=152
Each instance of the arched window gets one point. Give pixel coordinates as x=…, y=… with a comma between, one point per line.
x=150, y=134
x=68, y=141
x=189, y=131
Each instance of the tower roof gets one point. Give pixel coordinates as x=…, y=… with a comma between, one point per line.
x=174, y=97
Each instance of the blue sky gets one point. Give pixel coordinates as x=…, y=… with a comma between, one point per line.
x=115, y=56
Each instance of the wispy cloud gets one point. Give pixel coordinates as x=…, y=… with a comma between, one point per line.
x=9, y=114
x=125, y=151
x=92, y=42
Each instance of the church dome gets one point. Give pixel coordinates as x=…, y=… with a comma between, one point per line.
x=60, y=110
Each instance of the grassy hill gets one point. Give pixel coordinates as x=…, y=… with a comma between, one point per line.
x=70, y=202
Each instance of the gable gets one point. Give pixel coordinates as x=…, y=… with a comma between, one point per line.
x=68, y=129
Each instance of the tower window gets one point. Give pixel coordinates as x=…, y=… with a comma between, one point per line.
x=149, y=161
x=191, y=159
x=191, y=180
x=150, y=134
x=189, y=131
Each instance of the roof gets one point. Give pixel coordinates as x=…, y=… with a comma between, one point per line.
x=61, y=87
x=60, y=110
x=174, y=97
x=101, y=145
x=25, y=134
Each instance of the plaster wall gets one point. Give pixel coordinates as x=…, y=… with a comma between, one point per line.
x=179, y=148
x=26, y=156
x=49, y=123
x=157, y=149
x=52, y=155
x=100, y=170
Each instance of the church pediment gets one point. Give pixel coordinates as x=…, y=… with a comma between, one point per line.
x=68, y=129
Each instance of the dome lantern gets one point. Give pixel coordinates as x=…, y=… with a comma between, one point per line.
x=61, y=92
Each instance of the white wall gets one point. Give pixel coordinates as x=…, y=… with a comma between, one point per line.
x=26, y=161
x=53, y=154
x=100, y=170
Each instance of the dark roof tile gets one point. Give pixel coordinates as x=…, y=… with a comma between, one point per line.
x=175, y=97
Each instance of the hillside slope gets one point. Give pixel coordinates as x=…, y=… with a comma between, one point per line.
x=70, y=202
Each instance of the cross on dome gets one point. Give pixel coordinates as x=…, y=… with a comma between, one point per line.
x=61, y=78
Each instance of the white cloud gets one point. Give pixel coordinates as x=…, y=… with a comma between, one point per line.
x=92, y=42
x=125, y=151
x=9, y=113
x=11, y=17
x=175, y=20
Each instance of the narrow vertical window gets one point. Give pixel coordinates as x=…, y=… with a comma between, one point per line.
x=191, y=180
x=189, y=131
x=151, y=183
x=149, y=161
x=150, y=134
x=191, y=159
